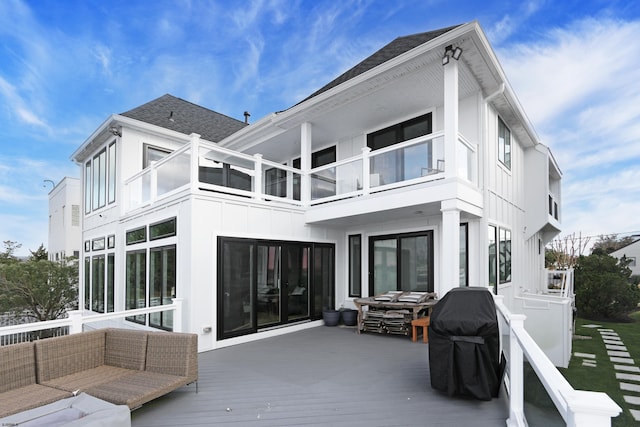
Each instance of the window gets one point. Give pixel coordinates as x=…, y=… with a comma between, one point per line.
x=135, y=283
x=97, y=244
x=408, y=163
x=323, y=184
x=100, y=179
x=505, y=255
x=152, y=154
x=137, y=236
x=401, y=262
x=504, y=144
x=162, y=281
x=464, y=255
x=162, y=229
x=355, y=266
x=87, y=283
x=97, y=283
x=499, y=240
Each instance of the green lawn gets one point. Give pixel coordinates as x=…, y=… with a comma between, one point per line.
x=602, y=377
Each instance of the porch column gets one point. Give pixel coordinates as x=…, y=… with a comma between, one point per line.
x=305, y=163
x=450, y=117
x=450, y=253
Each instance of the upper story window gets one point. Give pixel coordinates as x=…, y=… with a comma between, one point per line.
x=504, y=144
x=406, y=163
x=153, y=154
x=100, y=179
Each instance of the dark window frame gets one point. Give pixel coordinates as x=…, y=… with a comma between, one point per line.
x=355, y=265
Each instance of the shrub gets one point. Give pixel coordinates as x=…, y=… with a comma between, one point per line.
x=603, y=289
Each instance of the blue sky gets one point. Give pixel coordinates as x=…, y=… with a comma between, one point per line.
x=65, y=66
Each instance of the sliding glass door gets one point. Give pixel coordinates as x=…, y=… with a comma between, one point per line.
x=401, y=262
x=266, y=284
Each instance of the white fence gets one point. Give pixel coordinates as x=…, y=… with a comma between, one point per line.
x=77, y=320
x=578, y=408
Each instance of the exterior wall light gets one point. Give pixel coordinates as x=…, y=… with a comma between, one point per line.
x=450, y=52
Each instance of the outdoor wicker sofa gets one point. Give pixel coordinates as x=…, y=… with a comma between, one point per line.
x=121, y=366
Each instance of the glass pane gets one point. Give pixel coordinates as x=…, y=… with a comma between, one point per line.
x=275, y=182
x=112, y=173
x=417, y=160
x=268, y=284
x=493, y=260
x=417, y=128
x=323, y=279
x=162, y=229
x=414, y=258
x=110, y=282
x=162, y=280
x=97, y=284
x=236, y=297
x=87, y=283
x=385, y=270
x=464, y=257
x=136, y=276
x=355, y=266
x=297, y=282
x=87, y=187
x=539, y=409
x=385, y=168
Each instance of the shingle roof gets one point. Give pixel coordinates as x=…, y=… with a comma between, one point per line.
x=397, y=47
x=182, y=116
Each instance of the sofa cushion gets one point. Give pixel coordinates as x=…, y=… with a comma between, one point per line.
x=88, y=378
x=17, y=366
x=62, y=356
x=173, y=353
x=28, y=397
x=136, y=388
x=126, y=348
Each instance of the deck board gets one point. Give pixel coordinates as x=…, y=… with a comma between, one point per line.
x=321, y=376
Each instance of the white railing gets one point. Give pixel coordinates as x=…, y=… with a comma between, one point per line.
x=215, y=168
x=77, y=319
x=578, y=408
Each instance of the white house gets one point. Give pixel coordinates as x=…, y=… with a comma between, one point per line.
x=417, y=169
x=65, y=227
x=632, y=253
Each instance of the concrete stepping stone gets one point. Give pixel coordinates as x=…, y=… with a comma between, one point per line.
x=618, y=353
x=616, y=347
x=614, y=342
x=628, y=377
x=635, y=413
x=589, y=363
x=633, y=400
x=585, y=355
x=630, y=387
x=592, y=326
x=626, y=368
x=626, y=360
x=605, y=330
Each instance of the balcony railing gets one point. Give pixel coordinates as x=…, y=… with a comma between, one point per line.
x=528, y=368
x=77, y=319
x=218, y=169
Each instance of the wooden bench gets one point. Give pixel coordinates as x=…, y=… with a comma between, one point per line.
x=421, y=322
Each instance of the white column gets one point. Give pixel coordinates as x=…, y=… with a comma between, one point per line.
x=195, y=161
x=450, y=253
x=450, y=118
x=76, y=321
x=177, y=315
x=305, y=163
x=258, y=190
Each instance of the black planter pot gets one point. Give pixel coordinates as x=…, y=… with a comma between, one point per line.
x=331, y=317
x=349, y=317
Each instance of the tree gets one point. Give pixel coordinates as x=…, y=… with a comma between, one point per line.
x=564, y=252
x=610, y=243
x=38, y=289
x=8, y=255
x=603, y=291
x=39, y=254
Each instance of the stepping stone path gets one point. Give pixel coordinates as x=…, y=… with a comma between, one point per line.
x=626, y=371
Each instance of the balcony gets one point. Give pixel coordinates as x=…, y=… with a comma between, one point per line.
x=216, y=169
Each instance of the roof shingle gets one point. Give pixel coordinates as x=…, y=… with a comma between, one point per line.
x=185, y=117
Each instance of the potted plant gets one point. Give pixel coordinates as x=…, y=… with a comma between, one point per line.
x=331, y=317
x=349, y=316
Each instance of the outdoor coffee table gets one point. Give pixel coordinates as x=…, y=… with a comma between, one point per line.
x=81, y=410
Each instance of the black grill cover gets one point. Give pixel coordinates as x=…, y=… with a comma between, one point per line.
x=464, y=344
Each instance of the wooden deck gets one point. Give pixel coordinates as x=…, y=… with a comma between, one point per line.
x=321, y=376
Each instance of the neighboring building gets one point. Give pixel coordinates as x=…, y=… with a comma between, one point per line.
x=417, y=169
x=65, y=221
x=632, y=253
